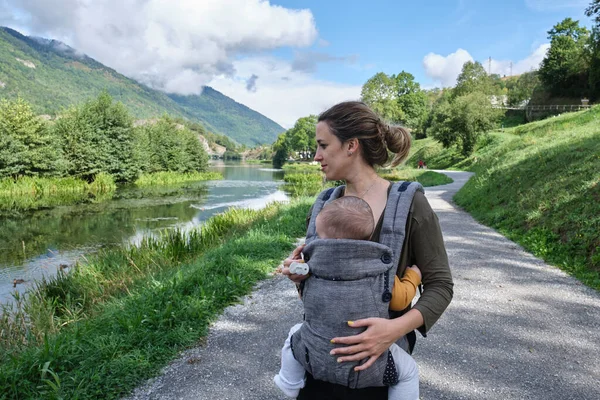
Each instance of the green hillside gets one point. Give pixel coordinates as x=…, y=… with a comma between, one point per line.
x=538, y=184
x=50, y=76
x=220, y=113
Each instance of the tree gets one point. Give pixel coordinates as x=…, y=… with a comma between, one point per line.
x=564, y=70
x=521, y=88
x=282, y=150
x=98, y=137
x=594, y=78
x=302, y=136
x=27, y=146
x=473, y=78
x=462, y=121
x=411, y=100
x=381, y=94
x=594, y=74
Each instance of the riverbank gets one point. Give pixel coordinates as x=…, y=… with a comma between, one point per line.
x=34, y=193
x=129, y=311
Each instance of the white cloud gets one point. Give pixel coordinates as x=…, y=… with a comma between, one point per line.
x=445, y=70
x=282, y=94
x=176, y=46
x=529, y=63
x=556, y=5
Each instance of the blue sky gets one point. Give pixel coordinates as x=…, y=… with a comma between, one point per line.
x=290, y=58
x=391, y=36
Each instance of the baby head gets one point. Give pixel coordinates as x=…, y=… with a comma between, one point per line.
x=348, y=217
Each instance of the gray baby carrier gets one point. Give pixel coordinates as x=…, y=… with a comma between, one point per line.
x=350, y=280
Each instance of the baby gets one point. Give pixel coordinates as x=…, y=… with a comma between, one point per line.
x=350, y=217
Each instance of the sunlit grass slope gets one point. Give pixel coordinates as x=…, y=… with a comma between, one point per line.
x=539, y=185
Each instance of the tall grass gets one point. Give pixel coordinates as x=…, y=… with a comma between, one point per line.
x=172, y=178
x=99, y=331
x=28, y=193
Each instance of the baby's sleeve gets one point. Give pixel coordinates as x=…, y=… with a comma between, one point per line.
x=404, y=290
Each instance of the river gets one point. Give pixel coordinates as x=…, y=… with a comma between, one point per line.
x=36, y=245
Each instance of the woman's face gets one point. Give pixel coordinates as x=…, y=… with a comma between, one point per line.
x=331, y=153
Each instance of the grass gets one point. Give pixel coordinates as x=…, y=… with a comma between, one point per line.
x=30, y=193
x=424, y=177
x=539, y=185
x=101, y=330
x=173, y=178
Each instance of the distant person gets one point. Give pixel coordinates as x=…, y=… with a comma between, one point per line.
x=421, y=164
x=352, y=141
x=350, y=217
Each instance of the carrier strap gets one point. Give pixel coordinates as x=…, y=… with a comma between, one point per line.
x=394, y=218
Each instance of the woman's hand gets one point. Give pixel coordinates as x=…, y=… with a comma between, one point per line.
x=295, y=256
x=370, y=344
x=378, y=337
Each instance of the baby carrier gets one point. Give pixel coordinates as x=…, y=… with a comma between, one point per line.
x=350, y=280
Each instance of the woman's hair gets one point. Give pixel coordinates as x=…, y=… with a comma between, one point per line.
x=348, y=217
x=353, y=119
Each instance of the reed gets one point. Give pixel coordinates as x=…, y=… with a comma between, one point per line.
x=173, y=178
x=29, y=193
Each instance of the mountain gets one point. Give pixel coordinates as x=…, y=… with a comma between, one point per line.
x=51, y=75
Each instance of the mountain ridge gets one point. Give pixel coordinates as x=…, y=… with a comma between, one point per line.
x=51, y=75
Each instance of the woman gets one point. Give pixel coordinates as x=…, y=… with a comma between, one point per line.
x=352, y=140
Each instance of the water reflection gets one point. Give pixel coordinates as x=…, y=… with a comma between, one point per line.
x=37, y=244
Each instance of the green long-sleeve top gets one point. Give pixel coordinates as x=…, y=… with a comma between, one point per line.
x=424, y=247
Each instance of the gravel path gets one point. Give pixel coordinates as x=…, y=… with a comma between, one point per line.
x=516, y=329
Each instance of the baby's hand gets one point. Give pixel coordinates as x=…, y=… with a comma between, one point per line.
x=417, y=270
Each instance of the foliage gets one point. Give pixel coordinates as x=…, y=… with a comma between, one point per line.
x=565, y=68
x=379, y=93
x=473, y=79
x=463, y=120
x=396, y=98
x=411, y=100
x=520, y=89
x=302, y=136
x=281, y=147
x=231, y=155
x=593, y=10
x=27, y=146
x=97, y=137
x=299, y=139
x=594, y=74
x=168, y=146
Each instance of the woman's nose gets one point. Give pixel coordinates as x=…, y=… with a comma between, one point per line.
x=318, y=156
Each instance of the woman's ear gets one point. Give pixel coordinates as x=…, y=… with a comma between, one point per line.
x=352, y=145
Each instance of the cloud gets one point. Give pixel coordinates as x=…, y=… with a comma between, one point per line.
x=176, y=46
x=445, y=70
x=556, y=5
x=251, y=83
x=284, y=95
x=306, y=61
x=531, y=62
